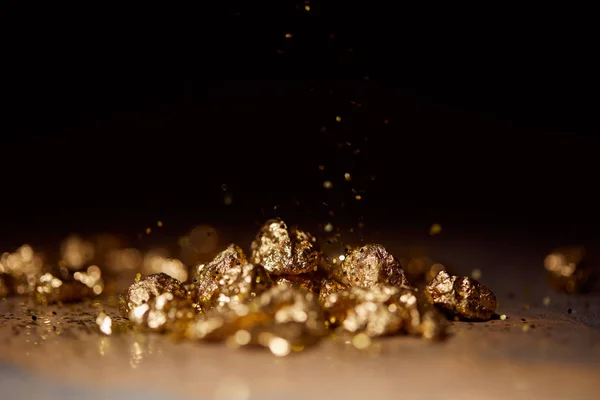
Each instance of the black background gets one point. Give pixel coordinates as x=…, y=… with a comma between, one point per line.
x=115, y=118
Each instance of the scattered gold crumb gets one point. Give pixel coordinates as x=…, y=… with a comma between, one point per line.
x=361, y=341
x=503, y=317
x=435, y=229
x=476, y=274
x=546, y=301
x=347, y=176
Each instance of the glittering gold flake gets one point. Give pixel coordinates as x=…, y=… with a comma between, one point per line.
x=328, y=287
x=567, y=271
x=461, y=296
x=164, y=313
x=369, y=265
x=327, y=184
x=309, y=282
x=383, y=310
x=145, y=289
x=285, y=251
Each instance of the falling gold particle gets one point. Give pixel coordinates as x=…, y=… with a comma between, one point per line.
x=159, y=224
x=503, y=317
x=358, y=197
x=361, y=341
x=328, y=227
x=435, y=229
x=288, y=35
x=228, y=199
x=307, y=8
x=148, y=230
x=338, y=118
x=327, y=184
x=476, y=274
x=546, y=301
x=347, y=176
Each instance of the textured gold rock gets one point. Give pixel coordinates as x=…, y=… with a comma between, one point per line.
x=461, y=296
x=164, y=313
x=566, y=269
x=280, y=318
x=236, y=285
x=383, y=310
x=282, y=250
x=309, y=281
x=371, y=265
x=148, y=288
x=328, y=287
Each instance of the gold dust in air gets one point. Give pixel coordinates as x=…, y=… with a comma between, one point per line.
x=358, y=197
x=476, y=274
x=148, y=230
x=327, y=184
x=159, y=224
x=328, y=227
x=307, y=8
x=435, y=229
x=347, y=177
x=361, y=341
x=546, y=301
x=503, y=317
x=338, y=118
x=288, y=35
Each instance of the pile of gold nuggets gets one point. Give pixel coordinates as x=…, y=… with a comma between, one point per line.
x=284, y=296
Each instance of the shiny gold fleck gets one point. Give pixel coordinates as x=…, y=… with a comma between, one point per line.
x=347, y=177
x=148, y=230
x=307, y=8
x=159, y=224
x=328, y=227
x=361, y=341
x=546, y=301
x=358, y=197
x=104, y=323
x=288, y=35
x=461, y=296
x=435, y=229
x=476, y=274
x=282, y=250
x=338, y=118
x=525, y=328
x=327, y=184
x=503, y=317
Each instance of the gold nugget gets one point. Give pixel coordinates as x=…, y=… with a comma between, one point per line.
x=164, y=313
x=567, y=271
x=280, y=319
x=328, y=287
x=148, y=288
x=285, y=251
x=371, y=265
x=237, y=285
x=383, y=310
x=461, y=296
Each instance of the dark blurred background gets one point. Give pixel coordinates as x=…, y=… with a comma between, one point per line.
x=116, y=118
